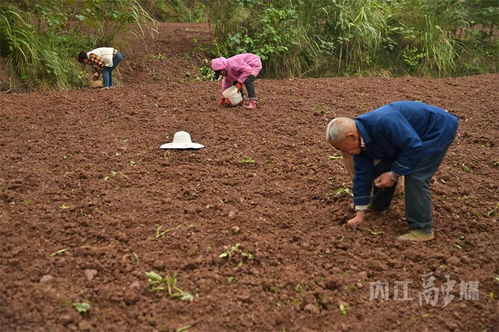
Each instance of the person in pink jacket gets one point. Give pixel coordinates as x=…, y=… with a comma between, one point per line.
x=239, y=69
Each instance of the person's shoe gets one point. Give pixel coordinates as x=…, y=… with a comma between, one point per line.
x=105, y=88
x=251, y=105
x=416, y=236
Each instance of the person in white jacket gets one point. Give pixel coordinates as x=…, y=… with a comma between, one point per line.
x=103, y=60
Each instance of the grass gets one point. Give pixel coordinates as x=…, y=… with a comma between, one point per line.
x=58, y=252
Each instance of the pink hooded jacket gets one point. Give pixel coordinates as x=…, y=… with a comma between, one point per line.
x=238, y=68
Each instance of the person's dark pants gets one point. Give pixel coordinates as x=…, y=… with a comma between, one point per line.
x=250, y=87
x=417, y=192
x=107, y=72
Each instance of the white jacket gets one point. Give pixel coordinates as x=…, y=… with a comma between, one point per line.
x=106, y=53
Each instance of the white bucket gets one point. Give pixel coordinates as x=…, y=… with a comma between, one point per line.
x=234, y=95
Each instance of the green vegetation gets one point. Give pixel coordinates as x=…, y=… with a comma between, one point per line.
x=233, y=251
x=248, y=160
x=295, y=38
x=359, y=37
x=343, y=309
x=344, y=190
x=81, y=307
x=169, y=283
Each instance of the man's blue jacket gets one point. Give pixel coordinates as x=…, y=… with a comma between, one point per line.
x=402, y=133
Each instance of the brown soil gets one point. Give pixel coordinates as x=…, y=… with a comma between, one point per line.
x=82, y=171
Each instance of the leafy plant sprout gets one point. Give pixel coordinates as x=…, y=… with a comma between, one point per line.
x=81, y=307
x=248, y=160
x=236, y=249
x=169, y=283
x=344, y=190
x=161, y=231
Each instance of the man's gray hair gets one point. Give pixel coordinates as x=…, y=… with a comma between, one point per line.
x=338, y=127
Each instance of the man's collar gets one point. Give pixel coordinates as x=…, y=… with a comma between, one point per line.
x=364, y=136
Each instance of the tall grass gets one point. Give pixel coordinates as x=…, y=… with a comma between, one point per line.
x=350, y=37
x=41, y=42
x=426, y=35
x=175, y=10
x=40, y=60
x=356, y=29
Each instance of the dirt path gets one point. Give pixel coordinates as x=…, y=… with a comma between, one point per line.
x=81, y=171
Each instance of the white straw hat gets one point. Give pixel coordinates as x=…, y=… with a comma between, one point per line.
x=181, y=140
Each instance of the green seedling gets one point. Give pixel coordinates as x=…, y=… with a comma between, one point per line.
x=58, y=252
x=298, y=288
x=493, y=211
x=132, y=163
x=136, y=258
x=248, y=160
x=81, y=307
x=343, y=309
x=497, y=279
x=230, y=279
x=341, y=191
x=160, y=231
x=491, y=295
x=64, y=207
x=111, y=174
x=336, y=157
x=375, y=233
x=169, y=283
x=273, y=289
x=465, y=168
x=184, y=328
x=159, y=56
x=236, y=249
x=228, y=253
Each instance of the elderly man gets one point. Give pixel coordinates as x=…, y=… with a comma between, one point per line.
x=402, y=138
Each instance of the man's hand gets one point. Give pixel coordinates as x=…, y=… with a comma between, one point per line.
x=385, y=180
x=239, y=86
x=222, y=101
x=96, y=76
x=358, y=219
